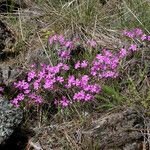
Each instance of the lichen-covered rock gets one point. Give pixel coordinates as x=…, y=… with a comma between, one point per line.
x=10, y=117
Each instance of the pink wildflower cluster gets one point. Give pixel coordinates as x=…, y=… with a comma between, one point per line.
x=64, y=102
x=81, y=83
x=61, y=40
x=136, y=33
x=46, y=78
x=80, y=64
x=105, y=65
x=64, y=47
x=64, y=54
x=86, y=90
x=92, y=43
x=51, y=78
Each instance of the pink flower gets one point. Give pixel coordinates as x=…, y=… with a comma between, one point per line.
x=107, y=60
x=64, y=102
x=27, y=91
x=77, y=82
x=61, y=39
x=133, y=47
x=143, y=37
x=36, y=84
x=15, y=102
x=54, y=69
x=49, y=83
x=130, y=35
x=1, y=89
x=69, y=44
x=87, y=87
x=100, y=58
x=95, y=88
x=88, y=97
x=84, y=64
x=138, y=31
x=64, y=54
x=77, y=65
x=114, y=63
x=84, y=80
x=65, y=67
x=50, y=40
x=55, y=38
x=20, y=97
x=22, y=85
x=79, y=95
x=71, y=81
x=107, y=53
x=60, y=65
x=93, y=73
x=148, y=38
x=92, y=43
x=31, y=75
x=109, y=74
x=36, y=98
x=41, y=74
x=122, y=53
x=60, y=79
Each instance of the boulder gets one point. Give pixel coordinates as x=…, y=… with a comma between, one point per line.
x=10, y=117
x=119, y=131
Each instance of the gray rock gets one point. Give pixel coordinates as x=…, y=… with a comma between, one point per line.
x=37, y=57
x=10, y=117
x=119, y=130
x=7, y=39
x=8, y=73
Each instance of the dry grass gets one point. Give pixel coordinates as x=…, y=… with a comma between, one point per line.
x=87, y=19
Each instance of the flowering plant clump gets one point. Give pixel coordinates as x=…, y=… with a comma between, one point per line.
x=80, y=83
x=136, y=34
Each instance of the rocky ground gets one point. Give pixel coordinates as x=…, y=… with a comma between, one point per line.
x=120, y=129
x=124, y=129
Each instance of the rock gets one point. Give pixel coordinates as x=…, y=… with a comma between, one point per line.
x=37, y=57
x=10, y=117
x=118, y=130
x=7, y=39
x=10, y=5
x=8, y=73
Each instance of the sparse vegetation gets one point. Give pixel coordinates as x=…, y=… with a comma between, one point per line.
x=97, y=60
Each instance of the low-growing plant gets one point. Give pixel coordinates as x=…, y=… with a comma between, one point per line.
x=81, y=82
